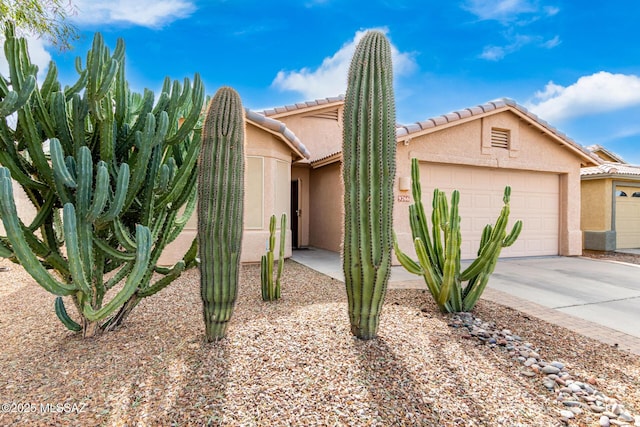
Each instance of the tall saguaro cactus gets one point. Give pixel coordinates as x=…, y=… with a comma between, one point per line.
x=220, y=209
x=114, y=187
x=368, y=171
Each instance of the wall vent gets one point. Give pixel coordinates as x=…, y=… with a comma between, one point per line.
x=500, y=138
x=327, y=115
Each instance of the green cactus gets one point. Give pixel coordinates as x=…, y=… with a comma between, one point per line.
x=115, y=187
x=220, y=209
x=369, y=155
x=438, y=251
x=271, y=291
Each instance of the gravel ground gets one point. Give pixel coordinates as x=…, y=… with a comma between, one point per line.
x=287, y=363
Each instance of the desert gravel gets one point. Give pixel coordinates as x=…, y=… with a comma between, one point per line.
x=287, y=363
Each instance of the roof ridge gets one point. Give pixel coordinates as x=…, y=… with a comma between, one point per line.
x=278, y=126
x=301, y=105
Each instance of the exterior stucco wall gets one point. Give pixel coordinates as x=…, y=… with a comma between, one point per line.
x=466, y=144
x=326, y=207
x=319, y=130
x=596, y=204
x=275, y=192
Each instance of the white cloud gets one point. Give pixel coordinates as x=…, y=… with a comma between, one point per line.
x=37, y=52
x=597, y=93
x=502, y=10
x=330, y=78
x=145, y=13
x=518, y=41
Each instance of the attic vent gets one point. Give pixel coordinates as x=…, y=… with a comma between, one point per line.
x=500, y=138
x=327, y=115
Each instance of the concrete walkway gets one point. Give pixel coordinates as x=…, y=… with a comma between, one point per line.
x=596, y=298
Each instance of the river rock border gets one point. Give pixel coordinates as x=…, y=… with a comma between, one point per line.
x=574, y=397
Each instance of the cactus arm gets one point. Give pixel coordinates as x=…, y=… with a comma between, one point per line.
x=410, y=265
x=5, y=251
x=58, y=111
x=119, y=275
x=50, y=83
x=27, y=124
x=183, y=176
x=44, y=211
x=111, y=252
x=162, y=283
x=513, y=235
x=264, y=284
x=283, y=230
x=76, y=266
x=117, y=203
x=100, y=193
x=60, y=170
x=21, y=249
x=80, y=84
x=143, y=240
x=61, y=312
x=123, y=236
x=194, y=114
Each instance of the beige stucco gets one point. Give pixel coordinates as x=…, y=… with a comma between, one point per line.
x=465, y=142
x=267, y=192
x=596, y=204
x=610, y=221
x=326, y=206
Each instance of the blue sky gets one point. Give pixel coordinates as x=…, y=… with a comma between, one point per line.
x=575, y=64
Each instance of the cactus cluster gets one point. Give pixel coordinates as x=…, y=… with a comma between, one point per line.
x=220, y=209
x=114, y=185
x=368, y=171
x=438, y=249
x=271, y=288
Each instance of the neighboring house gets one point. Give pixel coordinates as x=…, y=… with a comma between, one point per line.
x=477, y=150
x=610, y=203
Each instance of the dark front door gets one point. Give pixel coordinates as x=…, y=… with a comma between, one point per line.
x=295, y=212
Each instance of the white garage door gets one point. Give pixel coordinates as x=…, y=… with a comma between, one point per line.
x=627, y=217
x=534, y=199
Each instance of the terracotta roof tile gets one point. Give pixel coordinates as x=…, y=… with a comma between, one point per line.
x=279, y=127
x=611, y=169
x=302, y=105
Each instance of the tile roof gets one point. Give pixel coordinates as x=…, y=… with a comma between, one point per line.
x=597, y=147
x=301, y=105
x=611, y=169
x=279, y=127
x=403, y=131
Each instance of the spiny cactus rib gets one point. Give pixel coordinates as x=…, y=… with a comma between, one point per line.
x=107, y=145
x=220, y=208
x=441, y=269
x=368, y=175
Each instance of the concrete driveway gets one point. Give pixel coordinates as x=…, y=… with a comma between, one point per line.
x=597, y=298
x=603, y=292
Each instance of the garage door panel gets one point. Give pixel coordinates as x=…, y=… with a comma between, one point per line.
x=534, y=199
x=628, y=219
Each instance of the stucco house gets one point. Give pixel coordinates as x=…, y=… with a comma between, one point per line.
x=476, y=150
x=293, y=165
x=610, y=203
